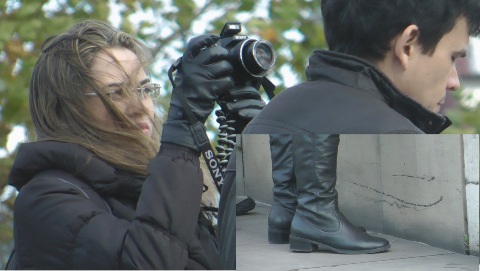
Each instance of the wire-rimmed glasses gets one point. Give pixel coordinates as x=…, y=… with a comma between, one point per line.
x=148, y=90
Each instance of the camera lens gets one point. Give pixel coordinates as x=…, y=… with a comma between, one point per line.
x=257, y=57
x=263, y=54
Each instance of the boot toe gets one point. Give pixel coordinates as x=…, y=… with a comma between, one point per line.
x=349, y=239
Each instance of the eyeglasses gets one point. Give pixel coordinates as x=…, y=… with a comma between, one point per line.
x=147, y=90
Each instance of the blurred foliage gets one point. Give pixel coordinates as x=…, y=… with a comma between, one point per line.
x=466, y=120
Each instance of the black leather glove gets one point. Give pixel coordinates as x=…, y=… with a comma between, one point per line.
x=203, y=75
x=242, y=104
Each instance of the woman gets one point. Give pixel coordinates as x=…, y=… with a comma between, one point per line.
x=87, y=199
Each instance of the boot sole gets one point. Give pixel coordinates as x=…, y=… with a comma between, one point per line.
x=298, y=244
x=281, y=237
x=276, y=236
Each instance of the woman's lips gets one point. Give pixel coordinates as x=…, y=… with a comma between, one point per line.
x=144, y=127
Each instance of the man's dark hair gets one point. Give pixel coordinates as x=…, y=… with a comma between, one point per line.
x=365, y=28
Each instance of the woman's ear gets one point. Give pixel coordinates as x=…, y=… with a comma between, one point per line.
x=406, y=45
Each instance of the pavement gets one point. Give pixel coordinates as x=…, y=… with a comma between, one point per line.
x=255, y=253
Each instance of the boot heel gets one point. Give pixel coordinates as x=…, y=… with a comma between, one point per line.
x=301, y=245
x=278, y=236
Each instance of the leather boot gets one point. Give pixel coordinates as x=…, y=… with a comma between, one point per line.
x=284, y=189
x=318, y=223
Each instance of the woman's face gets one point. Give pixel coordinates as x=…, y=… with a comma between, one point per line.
x=124, y=69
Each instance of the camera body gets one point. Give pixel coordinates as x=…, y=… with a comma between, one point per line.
x=251, y=58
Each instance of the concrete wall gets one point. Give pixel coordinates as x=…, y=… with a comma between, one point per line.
x=416, y=187
x=471, y=158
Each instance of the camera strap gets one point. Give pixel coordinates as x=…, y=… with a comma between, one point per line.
x=199, y=133
x=269, y=87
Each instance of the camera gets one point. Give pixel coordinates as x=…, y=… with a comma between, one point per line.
x=251, y=58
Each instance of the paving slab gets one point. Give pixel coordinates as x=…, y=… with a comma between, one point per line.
x=255, y=253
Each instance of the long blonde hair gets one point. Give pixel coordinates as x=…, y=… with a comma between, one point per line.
x=58, y=104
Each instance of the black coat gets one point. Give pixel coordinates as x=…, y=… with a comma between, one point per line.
x=344, y=95
x=154, y=222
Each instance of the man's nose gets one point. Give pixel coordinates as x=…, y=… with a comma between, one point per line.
x=453, y=82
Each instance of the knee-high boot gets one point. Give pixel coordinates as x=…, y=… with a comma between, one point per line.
x=284, y=189
x=318, y=223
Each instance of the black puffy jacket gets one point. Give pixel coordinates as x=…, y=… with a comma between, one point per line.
x=153, y=222
x=344, y=95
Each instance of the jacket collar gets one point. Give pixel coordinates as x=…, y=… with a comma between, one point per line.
x=35, y=157
x=360, y=74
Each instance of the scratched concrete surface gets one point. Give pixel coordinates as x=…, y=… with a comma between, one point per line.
x=407, y=186
x=255, y=253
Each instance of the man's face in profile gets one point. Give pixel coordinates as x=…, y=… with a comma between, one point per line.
x=427, y=77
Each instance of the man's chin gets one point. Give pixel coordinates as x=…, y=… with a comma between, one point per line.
x=437, y=108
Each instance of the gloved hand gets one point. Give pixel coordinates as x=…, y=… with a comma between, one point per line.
x=242, y=104
x=203, y=75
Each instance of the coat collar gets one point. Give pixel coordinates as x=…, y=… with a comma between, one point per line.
x=34, y=157
x=360, y=74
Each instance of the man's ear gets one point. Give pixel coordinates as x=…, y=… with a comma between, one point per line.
x=406, y=45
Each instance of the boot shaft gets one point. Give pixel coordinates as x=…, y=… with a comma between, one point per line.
x=284, y=189
x=315, y=160
x=315, y=164
x=284, y=183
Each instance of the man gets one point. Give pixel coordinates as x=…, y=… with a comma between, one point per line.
x=388, y=69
